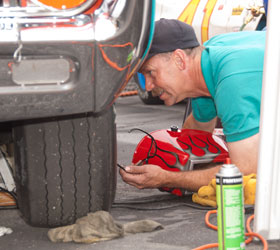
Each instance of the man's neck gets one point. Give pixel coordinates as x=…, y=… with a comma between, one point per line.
x=201, y=87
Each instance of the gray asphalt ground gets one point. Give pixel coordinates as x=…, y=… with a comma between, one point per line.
x=184, y=226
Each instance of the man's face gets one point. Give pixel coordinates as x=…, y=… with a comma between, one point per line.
x=163, y=78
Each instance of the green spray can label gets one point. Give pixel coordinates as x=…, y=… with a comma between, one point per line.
x=230, y=216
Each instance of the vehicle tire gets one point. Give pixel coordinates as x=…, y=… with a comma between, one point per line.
x=146, y=96
x=65, y=167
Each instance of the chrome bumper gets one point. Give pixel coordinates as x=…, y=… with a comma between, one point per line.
x=60, y=65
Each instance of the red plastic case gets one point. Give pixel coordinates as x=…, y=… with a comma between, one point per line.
x=180, y=150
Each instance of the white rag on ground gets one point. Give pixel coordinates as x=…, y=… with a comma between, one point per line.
x=99, y=226
x=5, y=230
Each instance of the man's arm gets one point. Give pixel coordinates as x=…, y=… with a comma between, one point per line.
x=152, y=176
x=244, y=154
x=191, y=123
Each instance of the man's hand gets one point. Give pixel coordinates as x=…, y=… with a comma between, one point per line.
x=152, y=176
x=146, y=176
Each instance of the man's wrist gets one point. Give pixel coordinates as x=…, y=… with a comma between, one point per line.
x=169, y=179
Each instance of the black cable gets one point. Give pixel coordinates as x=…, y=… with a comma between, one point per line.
x=150, y=149
x=187, y=110
x=136, y=204
x=162, y=208
x=120, y=166
x=152, y=199
x=249, y=209
x=156, y=149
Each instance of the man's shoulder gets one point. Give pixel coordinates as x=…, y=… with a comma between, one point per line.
x=240, y=51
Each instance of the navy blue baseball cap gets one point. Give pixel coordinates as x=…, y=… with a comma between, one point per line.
x=172, y=34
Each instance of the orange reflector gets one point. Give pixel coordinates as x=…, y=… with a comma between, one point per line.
x=62, y=4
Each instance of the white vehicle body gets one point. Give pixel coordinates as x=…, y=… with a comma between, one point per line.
x=211, y=17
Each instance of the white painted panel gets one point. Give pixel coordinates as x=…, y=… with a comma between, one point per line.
x=267, y=207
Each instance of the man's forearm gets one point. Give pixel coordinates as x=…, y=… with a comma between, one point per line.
x=190, y=180
x=191, y=123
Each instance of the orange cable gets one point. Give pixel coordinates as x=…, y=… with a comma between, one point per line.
x=250, y=233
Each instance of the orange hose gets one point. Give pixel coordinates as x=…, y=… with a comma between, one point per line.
x=207, y=216
x=263, y=240
x=207, y=246
x=128, y=93
x=250, y=233
x=249, y=228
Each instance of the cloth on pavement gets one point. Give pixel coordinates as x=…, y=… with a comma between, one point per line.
x=206, y=195
x=5, y=230
x=99, y=226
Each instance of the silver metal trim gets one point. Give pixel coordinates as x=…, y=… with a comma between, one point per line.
x=142, y=34
x=43, y=11
x=24, y=89
x=199, y=161
x=39, y=72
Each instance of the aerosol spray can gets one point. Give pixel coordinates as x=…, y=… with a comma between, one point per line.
x=229, y=193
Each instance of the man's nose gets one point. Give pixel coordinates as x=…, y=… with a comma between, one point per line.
x=149, y=84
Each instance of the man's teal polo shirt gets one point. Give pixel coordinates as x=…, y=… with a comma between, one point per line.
x=232, y=67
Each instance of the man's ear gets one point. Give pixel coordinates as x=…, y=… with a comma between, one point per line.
x=180, y=59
